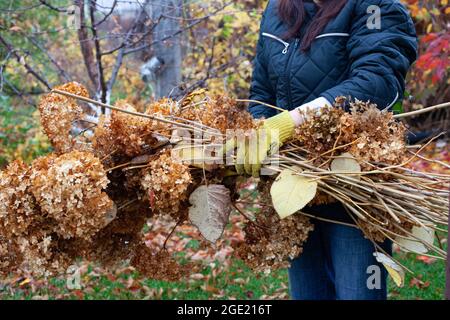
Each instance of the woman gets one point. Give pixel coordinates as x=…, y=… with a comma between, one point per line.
x=308, y=54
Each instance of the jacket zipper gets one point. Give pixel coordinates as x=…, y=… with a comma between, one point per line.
x=333, y=34
x=287, y=70
x=284, y=43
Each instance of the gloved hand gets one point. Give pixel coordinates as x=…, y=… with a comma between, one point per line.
x=298, y=114
x=252, y=150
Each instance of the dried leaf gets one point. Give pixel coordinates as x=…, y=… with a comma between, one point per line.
x=394, y=270
x=426, y=235
x=211, y=207
x=158, y=141
x=346, y=163
x=143, y=159
x=291, y=192
x=111, y=214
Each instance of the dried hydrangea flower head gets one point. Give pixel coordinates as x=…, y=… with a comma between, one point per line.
x=58, y=114
x=270, y=243
x=17, y=206
x=103, y=141
x=370, y=134
x=129, y=132
x=10, y=255
x=126, y=136
x=166, y=183
x=37, y=256
x=220, y=112
x=68, y=189
x=163, y=107
x=382, y=139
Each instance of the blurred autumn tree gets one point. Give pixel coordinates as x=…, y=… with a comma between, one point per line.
x=220, y=53
x=428, y=82
x=110, y=46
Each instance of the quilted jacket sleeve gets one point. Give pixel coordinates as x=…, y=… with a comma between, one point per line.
x=260, y=88
x=380, y=58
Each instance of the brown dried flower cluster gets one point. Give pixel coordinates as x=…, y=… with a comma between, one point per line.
x=118, y=241
x=57, y=199
x=367, y=133
x=162, y=107
x=42, y=256
x=38, y=255
x=94, y=204
x=17, y=205
x=222, y=113
x=66, y=205
x=166, y=183
x=68, y=189
x=270, y=242
x=10, y=257
x=103, y=141
x=121, y=136
x=58, y=114
x=371, y=136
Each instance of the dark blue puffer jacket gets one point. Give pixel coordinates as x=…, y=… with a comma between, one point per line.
x=347, y=59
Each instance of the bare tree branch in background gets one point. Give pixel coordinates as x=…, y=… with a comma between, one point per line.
x=125, y=43
x=86, y=45
x=155, y=32
x=50, y=6
x=22, y=61
x=101, y=82
x=107, y=15
x=62, y=73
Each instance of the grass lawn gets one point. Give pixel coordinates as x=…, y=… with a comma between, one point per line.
x=427, y=283
x=238, y=282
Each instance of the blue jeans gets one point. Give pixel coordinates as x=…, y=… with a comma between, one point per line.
x=334, y=266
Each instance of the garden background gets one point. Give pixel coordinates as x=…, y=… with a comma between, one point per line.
x=137, y=50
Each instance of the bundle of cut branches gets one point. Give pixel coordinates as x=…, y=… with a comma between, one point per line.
x=361, y=160
x=108, y=176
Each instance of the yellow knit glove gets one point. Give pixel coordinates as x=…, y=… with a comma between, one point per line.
x=252, y=150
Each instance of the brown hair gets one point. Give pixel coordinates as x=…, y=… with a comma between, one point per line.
x=292, y=12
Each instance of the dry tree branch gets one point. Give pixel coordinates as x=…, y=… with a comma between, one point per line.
x=64, y=75
x=176, y=33
x=22, y=61
x=50, y=6
x=177, y=125
x=101, y=82
x=424, y=110
x=86, y=45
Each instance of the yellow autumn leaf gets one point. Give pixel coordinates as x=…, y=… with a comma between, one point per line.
x=241, y=19
x=291, y=192
x=395, y=271
x=24, y=282
x=426, y=235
